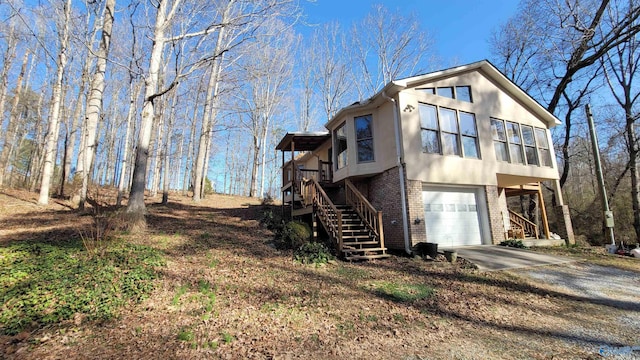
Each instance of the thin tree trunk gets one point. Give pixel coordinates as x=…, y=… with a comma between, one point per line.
x=10, y=134
x=166, y=182
x=96, y=90
x=56, y=101
x=133, y=95
x=136, y=199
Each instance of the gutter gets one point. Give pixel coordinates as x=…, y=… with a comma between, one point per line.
x=400, y=163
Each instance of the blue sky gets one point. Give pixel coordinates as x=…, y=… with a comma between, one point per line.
x=460, y=28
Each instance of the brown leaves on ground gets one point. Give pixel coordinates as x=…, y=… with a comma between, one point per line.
x=225, y=293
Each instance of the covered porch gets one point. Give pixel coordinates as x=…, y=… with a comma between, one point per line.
x=524, y=211
x=300, y=162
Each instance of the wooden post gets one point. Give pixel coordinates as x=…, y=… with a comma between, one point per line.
x=543, y=209
x=293, y=176
x=339, y=213
x=380, y=229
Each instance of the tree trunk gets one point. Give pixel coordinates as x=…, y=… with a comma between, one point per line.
x=10, y=134
x=94, y=102
x=133, y=95
x=136, y=198
x=56, y=102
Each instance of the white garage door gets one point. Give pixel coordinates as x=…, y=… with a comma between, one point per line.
x=451, y=217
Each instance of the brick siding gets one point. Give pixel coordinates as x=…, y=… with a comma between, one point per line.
x=494, y=210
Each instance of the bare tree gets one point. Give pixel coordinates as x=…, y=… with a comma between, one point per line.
x=621, y=67
x=385, y=46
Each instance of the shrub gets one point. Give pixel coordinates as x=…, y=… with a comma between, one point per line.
x=272, y=220
x=514, y=244
x=293, y=235
x=313, y=253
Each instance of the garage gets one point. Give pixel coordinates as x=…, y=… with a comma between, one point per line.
x=452, y=216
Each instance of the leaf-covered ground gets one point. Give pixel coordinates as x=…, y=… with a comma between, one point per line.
x=225, y=293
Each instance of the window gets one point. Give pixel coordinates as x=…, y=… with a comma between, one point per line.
x=448, y=132
x=340, y=144
x=499, y=140
x=463, y=93
x=543, y=147
x=445, y=92
x=530, y=152
x=449, y=125
x=520, y=144
x=515, y=143
x=429, y=127
x=431, y=91
x=469, y=134
x=364, y=138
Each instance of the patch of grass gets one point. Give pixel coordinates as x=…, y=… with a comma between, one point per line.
x=403, y=292
x=181, y=291
x=345, y=327
x=226, y=337
x=186, y=334
x=45, y=283
x=351, y=273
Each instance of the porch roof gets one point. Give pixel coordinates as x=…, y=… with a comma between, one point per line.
x=303, y=141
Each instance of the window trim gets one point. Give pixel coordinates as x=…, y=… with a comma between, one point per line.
x=355, y=126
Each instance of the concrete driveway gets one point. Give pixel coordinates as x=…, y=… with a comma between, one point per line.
x=493, y=257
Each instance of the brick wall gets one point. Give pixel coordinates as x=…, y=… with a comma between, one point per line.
x=415, y=207
x=384, y=195
x=496, y=217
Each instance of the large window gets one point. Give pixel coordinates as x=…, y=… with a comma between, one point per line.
x=515, y=142
x=520, y=144
x=448, y=132
x=430, y=129
x=543, y=147
x=499, y=139
x=469, y=135
x=530, y=153
x=340, y=144
x=364, y=138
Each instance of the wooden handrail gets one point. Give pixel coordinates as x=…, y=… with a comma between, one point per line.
x=313, y=193
x=523, y=223
x=370, y=216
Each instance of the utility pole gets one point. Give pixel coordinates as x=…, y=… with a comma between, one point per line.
x=608, y=214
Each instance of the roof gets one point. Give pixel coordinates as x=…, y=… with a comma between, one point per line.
x=394, y=87
x=303, y=141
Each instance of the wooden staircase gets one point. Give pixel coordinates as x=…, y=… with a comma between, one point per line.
x=355, y=228
x=521, y=228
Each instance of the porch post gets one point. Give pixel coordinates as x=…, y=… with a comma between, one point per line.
x=543, y=209
x=293, y=175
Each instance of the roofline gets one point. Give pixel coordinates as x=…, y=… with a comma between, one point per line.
x=393, y=87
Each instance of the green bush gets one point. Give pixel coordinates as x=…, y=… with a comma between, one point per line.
x=293, y=235
x=514, y=244
x=313, y=253
x=272, y=220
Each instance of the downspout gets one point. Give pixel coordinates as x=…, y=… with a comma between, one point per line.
x=400, y=163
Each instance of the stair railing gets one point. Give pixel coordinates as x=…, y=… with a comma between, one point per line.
x=326, y=211
x=522, y=223
x=370, y=216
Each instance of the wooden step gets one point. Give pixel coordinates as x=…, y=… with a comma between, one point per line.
x=367, y=257
x=356, y=243
x=364, y=250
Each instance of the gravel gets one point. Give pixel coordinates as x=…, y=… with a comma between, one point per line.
x=618, y=290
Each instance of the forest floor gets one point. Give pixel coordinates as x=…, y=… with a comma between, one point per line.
x=226, y=293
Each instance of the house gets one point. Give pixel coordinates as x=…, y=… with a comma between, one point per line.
x=430, y=158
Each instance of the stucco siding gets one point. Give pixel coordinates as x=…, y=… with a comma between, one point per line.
x=489, y=101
